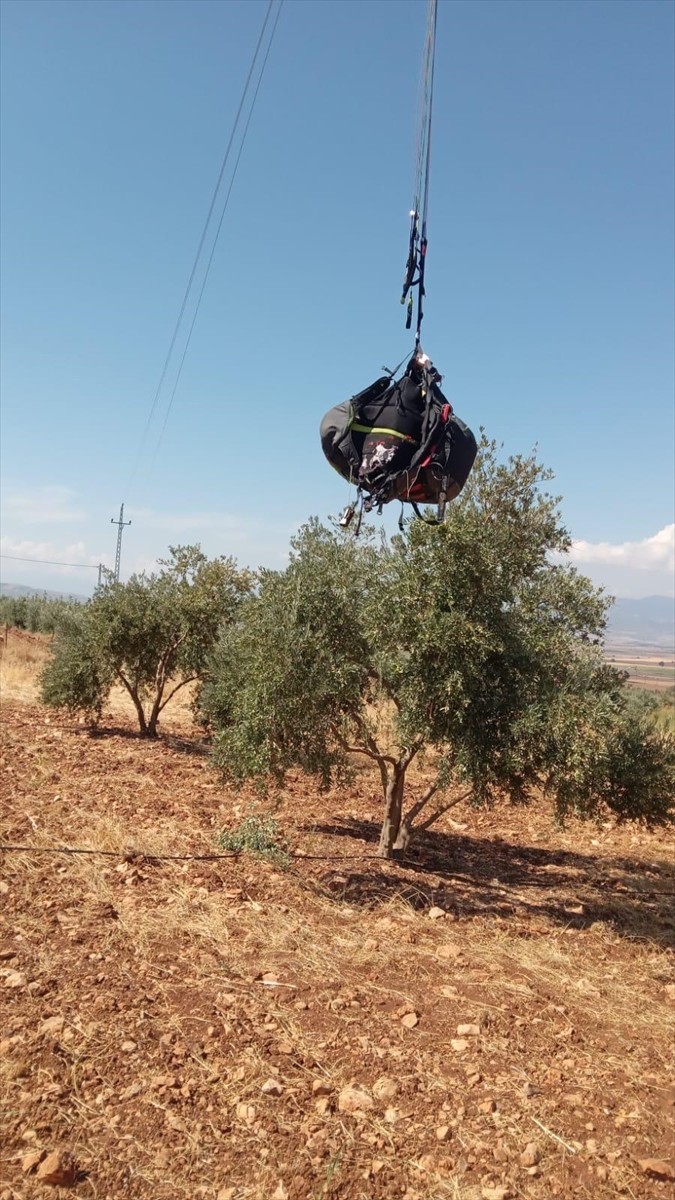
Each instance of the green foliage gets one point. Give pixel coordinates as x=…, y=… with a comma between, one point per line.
x=258, y=836
x=640, y=704
x=285, y=673
x=665, y=714
x=656, y=709
x=38, y=614
x=476, y=638
x=637, y=777
x=153, y=634
x=76, y=677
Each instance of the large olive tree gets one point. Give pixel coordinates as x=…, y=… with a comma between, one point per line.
x=475, y=640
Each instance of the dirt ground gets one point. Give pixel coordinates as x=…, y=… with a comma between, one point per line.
x=490, y=1019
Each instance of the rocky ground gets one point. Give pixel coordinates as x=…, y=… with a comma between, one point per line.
x=490, y=1019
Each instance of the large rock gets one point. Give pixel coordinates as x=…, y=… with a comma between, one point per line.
x=58, y=1169
x=354, y=1099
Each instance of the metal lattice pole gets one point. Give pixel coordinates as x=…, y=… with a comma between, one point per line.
x=120, y=523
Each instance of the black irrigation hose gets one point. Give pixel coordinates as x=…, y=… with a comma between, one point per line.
x=140, y=854
x=118, y=853
x=131, y=854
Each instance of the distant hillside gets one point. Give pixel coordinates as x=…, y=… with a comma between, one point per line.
x=20, y=589
x=648, y=622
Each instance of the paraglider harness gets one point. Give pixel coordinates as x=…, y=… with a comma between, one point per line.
x=425, y=412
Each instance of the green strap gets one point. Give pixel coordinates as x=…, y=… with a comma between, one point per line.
x=378, y=429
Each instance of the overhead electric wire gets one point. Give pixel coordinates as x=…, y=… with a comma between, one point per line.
x=51, y=562
x=215, y=240
x=200, y=247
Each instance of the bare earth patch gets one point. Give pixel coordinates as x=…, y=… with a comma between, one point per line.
x=490, y=1019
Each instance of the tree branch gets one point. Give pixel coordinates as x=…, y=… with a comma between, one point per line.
x=423, y=800
x=177, y=689
x=364, y=733
x=133, y=692
x=377, y=753
x=439, y=812
x=122, y=677
x=160, y=673
x=370, y=751
x=373, y=750
x=410, y=754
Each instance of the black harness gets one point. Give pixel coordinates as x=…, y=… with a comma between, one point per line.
x=421, y=423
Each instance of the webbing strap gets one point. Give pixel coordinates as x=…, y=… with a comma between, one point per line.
x=417, y=248
x=404, y=437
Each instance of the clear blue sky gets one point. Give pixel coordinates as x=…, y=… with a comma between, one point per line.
x=550, y=305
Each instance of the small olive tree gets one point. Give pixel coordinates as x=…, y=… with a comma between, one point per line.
x=153, y=635
x=474, y=639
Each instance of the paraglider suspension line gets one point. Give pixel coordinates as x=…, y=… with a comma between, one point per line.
x=417, y=246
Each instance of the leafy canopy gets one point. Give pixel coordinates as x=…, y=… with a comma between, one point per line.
x=153, y=634
x=476, y=638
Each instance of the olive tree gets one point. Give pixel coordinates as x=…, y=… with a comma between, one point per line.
x=152, y=635
x=37, y=613
x=474, y=644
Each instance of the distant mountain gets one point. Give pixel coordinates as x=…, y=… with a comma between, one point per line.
x=20, y=589
x=648, y=623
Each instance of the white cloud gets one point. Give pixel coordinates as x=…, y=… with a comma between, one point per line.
x=233, y=526
x=140, y=564
x=43, y=505
x=60, y=558
x=656, y=553
x=253, y=540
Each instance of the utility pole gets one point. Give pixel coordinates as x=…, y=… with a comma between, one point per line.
x=120, y=523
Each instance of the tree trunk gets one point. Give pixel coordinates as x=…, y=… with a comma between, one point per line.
x=142, y=723
x=154, y=715
x=403, y=836
x=393, y=807
x=133, y=692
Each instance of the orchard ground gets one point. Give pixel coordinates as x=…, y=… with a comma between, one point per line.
x=491, y=1018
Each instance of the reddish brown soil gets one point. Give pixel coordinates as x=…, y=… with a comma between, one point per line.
x=152, y=1010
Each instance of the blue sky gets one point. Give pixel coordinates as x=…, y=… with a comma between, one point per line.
x=550, y=287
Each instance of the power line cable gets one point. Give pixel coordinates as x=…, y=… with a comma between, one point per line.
x=215, y=241
x=51, y=562
x=200, y=247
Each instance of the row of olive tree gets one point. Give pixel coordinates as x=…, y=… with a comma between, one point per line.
x=475, y=640
x=474, y=645
x=38, y=614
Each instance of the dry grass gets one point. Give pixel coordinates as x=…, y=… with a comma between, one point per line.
x=22, y=657
x=184, y=988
